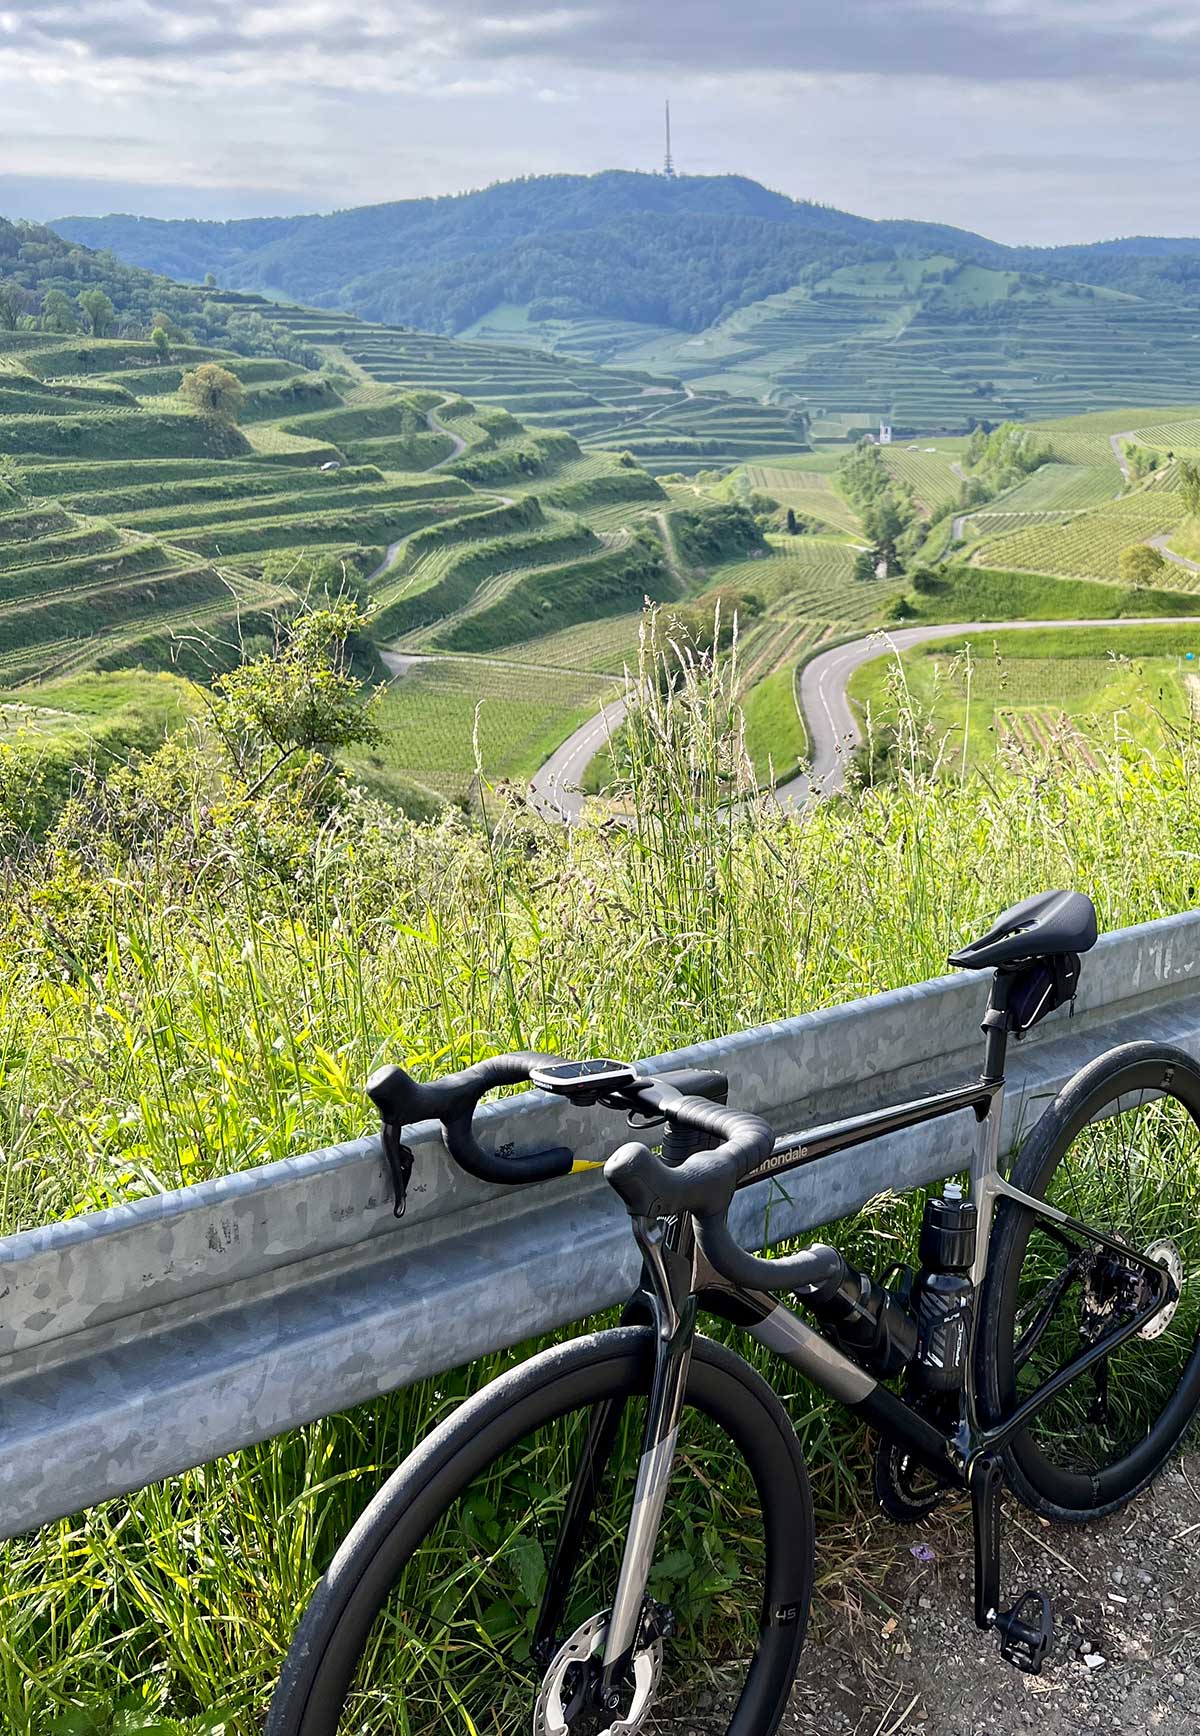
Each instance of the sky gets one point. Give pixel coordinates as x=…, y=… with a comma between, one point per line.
x=1060, y=120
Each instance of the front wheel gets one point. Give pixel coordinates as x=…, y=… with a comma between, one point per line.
x=428, y=1619
x=1119, y=1150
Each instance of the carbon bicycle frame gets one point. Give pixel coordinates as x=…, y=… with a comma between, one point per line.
x=677, y=1281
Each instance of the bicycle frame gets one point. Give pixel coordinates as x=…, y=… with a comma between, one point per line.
x=677, y=1282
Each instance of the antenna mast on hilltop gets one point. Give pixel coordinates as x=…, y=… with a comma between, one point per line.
x=668, y=160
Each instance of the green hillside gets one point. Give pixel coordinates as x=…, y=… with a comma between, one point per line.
x=681, y=252
x=732, y=289
x=508, y=512
x=137, y=534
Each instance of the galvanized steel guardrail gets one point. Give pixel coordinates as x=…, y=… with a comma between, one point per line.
x=140, y=1341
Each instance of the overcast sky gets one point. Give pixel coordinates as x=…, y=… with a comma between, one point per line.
x=1039, y=120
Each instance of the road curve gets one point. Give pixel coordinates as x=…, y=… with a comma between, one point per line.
x=1160, y=543
x=833, y=730
x=554, y=790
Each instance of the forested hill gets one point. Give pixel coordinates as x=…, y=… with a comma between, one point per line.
x=681, y=253
x=50, y=284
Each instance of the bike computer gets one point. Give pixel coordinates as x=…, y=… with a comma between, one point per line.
x=583, y=1081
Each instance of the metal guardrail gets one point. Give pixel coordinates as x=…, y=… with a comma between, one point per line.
x=140, y=1341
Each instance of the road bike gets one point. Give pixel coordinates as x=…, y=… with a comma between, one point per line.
x=617, y=1535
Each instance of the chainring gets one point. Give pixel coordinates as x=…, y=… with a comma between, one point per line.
x=904, y=1488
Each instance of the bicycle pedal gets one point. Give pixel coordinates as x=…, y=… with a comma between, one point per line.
x=1024, y=1642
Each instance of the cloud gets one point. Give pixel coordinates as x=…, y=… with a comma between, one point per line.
x=988, y=42
x=980, y=112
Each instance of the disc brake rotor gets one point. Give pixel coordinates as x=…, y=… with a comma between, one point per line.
x=560, y=1684
x=1165, y=1253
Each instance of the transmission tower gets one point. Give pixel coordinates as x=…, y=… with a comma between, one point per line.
x=668, y=160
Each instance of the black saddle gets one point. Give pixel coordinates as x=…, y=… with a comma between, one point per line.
x=1048, y=925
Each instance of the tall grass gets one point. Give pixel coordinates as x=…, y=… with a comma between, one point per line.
x=185, y=991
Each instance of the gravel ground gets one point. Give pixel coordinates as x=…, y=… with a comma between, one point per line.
x=898, y=1651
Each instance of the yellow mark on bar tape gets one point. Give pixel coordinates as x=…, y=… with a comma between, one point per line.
x=582, y=1163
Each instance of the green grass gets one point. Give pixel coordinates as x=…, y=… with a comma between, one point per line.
x=116, y=433
x=775, y=737
x=1186, y=539
x=202, y=977
x=983, y=594
x=1065, y=691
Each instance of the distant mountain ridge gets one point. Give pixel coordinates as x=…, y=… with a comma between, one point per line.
x=683, y=253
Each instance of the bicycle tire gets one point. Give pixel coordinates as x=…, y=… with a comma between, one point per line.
x=320, y=1666
x=1165, y=1081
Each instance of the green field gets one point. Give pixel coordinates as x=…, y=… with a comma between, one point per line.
x=1071, y=693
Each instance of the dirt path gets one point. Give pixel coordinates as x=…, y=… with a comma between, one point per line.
x=673, y=566
x=897, y=1651
x=400, y=662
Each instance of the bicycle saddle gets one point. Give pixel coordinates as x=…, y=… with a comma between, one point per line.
x=1048, y=925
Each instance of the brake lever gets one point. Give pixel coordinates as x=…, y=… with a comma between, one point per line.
x=400, y=1162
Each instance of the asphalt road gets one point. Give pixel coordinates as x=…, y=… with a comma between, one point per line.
x=833, y=731
x=554, y=790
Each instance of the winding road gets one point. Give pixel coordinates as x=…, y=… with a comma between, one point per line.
x=554, y=791
x=833, y=730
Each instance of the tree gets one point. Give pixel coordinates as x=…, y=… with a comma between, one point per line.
x=14, y=301
x=1189, y=485
x=1141, y=565
x=791, y=521
x=299, y=699
x=885, y=522
x=161, y=341
x=97, y=309
x=58, y=314
x=864, y=566
x=214, y=392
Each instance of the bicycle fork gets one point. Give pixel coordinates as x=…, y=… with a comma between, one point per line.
x=665, y=1295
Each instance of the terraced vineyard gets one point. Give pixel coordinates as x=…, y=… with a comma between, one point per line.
x=431, y=715
x=516, y=561
x=508, y=556
x=664, y=424
x=930, y=344
x=929, y=474
x=809, y=492
x=1066, y=486
x=1090, y=544
x=809, y=578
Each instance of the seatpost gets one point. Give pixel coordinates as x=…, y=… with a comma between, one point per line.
x=996, y=1026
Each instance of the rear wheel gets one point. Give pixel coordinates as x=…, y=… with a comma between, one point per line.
x=425, y=1621
x=1119, y=1150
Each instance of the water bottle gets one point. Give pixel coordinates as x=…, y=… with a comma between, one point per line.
x=944, y=1294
